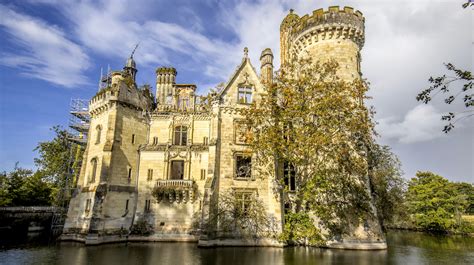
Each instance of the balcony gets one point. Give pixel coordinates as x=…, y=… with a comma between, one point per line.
x=175, y=183
x=175, y=190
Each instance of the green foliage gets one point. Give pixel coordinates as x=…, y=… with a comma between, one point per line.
x=435, y=204
x=316, y=121
x=445, y=85
x=299, y=229
x=387, y=184
x=57, y=162
x=23, y=188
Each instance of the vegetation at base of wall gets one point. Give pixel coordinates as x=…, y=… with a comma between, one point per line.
x=437, y=205
x=142, y=228
x=232, y=217
x=300, y=229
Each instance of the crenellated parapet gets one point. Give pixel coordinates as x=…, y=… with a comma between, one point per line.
x=299, y=33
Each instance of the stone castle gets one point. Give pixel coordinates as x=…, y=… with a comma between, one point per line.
x=191, y=149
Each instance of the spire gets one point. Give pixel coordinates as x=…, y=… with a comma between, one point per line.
x=130, y=65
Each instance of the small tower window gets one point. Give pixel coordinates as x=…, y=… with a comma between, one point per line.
x=88, y=205
x=129, y=174
x=155, y=140
x=289, y=176
x=205, y=141
x=98, y=131
x=147, y=206
x=126, y=205
x=133, y=138
x=243, y=166
x=203, y=174
x=150, y=174
x=245, y=95
x=93, y=170
x=180, y=135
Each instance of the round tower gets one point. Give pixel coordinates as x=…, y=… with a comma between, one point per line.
x=266, y=66
x=326, y=34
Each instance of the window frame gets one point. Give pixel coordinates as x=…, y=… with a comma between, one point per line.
x=242, y=92
x=182, y=139
x=98, y=131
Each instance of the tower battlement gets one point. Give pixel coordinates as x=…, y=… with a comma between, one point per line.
x=336, y=33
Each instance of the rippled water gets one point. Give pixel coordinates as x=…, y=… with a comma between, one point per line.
x=404, y=248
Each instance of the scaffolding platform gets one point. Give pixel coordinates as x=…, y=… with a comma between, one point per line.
x=79, y=121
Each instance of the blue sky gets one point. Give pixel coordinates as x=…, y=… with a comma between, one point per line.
x=52, y=51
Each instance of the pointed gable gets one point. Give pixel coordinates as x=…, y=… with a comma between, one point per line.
x=245, y=76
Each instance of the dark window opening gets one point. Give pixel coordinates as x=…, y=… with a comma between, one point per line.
x=203, y=174
x=155, y=140
x=205, y=141
x=150, y=174
x=126, y=205
x=133, y=138
x=129, y=174
x=289, y=176
x=243, y=166
x=177, y=169
x=147, y=206
x=88, y=205
x=180, y=135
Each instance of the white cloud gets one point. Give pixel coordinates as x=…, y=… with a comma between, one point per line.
x=45, y=51
x=423, y=123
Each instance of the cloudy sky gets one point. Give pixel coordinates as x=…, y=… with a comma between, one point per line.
x=52, y=51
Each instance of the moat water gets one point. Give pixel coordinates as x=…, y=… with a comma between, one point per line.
x=403, y=248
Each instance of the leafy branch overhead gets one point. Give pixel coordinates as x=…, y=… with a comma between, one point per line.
x=454, y=87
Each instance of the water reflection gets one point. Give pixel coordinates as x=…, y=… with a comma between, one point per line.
x=404, y=248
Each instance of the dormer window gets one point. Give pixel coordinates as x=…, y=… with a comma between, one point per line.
x=245, y=95
x=180, y=135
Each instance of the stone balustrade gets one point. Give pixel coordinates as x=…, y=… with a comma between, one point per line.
x=184, y=183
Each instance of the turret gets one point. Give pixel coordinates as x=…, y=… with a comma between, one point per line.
x=130, y=68
x=266, y=66
x=165, y=82
x=326, y=34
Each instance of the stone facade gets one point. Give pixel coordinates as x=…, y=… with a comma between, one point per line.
x=166, y=161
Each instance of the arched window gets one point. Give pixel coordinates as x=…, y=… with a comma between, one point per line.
x=180, y=135
x=245, y=95
x=289, y=176
x=98, y=131
x=93, y=171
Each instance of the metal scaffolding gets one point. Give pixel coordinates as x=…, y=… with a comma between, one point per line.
x=79, y=121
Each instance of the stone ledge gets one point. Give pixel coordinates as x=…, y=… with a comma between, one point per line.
x=239, y=243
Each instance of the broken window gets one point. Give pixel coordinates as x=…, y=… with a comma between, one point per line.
x=244, y=201
x=243, y=166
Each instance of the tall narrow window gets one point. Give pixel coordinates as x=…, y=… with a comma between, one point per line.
x=88, y=205
x=150, y=174
x=129, y=174
x=133, y=138
x=126, y=205
x=147, y=206
x=203, y=174
x=205, y=141
x=289, y=176
x=243, y=166
x=98, y=131
x=93, y=170
x=180, y=135
x=177, y=169
x=155, y=140
x=245, y=95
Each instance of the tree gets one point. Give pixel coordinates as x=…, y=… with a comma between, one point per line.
x=22, y=187
x=434, y=203
x=57, y=162
x=444, y=84
x=387, y=184
x=317, y=122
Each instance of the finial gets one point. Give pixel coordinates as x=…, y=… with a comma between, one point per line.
x=246, y=52
x=134, y=49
